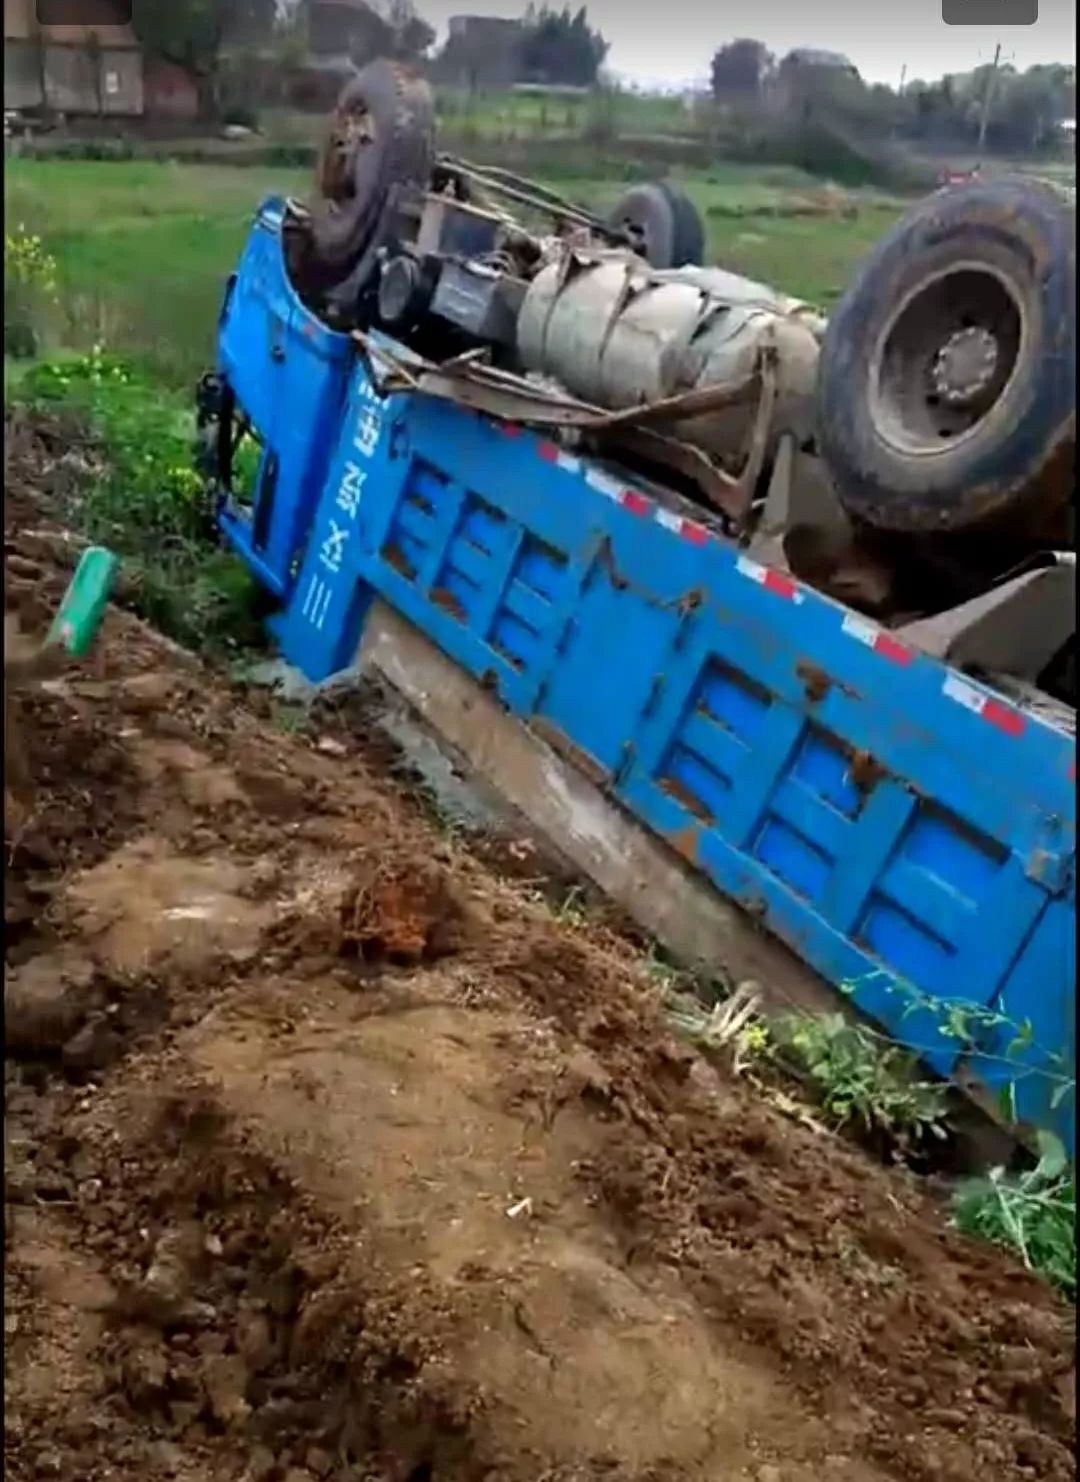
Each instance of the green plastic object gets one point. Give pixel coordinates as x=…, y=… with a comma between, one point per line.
x=76, y=624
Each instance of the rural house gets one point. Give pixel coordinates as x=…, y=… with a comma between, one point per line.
x=171, y=92
x=73, y=68
x=89, y=68
x=481, y=52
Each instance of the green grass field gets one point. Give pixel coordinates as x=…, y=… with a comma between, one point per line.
x=810, y=257
x=501, y=115
x=143, y=249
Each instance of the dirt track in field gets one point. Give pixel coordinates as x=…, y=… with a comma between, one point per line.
x=332, y=1154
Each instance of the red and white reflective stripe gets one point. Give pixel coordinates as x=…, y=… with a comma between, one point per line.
x=604, y=484
x=552, y=453
x=630, y=499
x=640, y=504
x=773, y=581
x=995, y=711
x=684, y=529
x=876, y=638
x=636, y=503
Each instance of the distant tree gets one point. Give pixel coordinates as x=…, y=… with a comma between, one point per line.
x=820, y=85
x=410, y=35
x=1031, y=106
x=1025, y=117
x=740, y=70
x=934, y=112
x=377, y=28
x=1067, y=89
x=191, y=34
x=558, y=46
x=885, y=106
x=290, y=34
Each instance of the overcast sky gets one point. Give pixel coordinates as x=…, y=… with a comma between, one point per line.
x=671, y=41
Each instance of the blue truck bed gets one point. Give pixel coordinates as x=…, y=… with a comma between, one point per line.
x=909, y=833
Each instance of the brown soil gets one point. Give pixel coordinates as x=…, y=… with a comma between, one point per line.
x=333, y=1154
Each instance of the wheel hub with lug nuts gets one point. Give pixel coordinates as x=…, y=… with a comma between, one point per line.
x=965, y=365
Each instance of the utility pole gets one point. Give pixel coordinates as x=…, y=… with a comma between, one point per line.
x=903, y=79
x=988, y=98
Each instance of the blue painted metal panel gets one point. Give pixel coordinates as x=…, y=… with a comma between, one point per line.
x=894, y=823
x=1038, y=990
x=289, y=374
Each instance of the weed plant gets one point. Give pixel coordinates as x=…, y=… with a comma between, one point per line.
x=148, y=505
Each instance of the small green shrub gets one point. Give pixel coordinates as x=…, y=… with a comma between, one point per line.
x=89, y=149
x=861, y=1079
x=1032, y=1213
x=31, y=297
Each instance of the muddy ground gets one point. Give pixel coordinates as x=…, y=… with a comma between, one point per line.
x=332, y=1153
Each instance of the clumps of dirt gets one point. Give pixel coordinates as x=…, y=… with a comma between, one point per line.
x=389, y=902
x=403, y=912
x=79, y=800
x=49, y=457
x=847, y=1274
x=234, y=1316
x=50, y=1003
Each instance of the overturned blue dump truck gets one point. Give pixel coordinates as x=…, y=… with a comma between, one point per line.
x=768, y=623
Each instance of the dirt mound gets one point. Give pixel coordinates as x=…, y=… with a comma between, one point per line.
x=384, y=904
x=333, y=1155
x=400, y=913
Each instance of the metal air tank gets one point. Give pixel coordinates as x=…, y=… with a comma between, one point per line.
x=619, y=334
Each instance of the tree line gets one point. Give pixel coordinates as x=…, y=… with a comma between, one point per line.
x=1007, y=109
x=1011, y=111
x=552, y=45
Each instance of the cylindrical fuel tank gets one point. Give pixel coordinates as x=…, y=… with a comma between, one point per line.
x=619, y=334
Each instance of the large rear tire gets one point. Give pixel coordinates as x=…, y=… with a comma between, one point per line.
x=947, y=382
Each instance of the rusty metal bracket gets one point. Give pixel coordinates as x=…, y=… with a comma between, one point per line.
x=802, y=528
x=527, y=193
x=719, y=491
x=759, y=436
